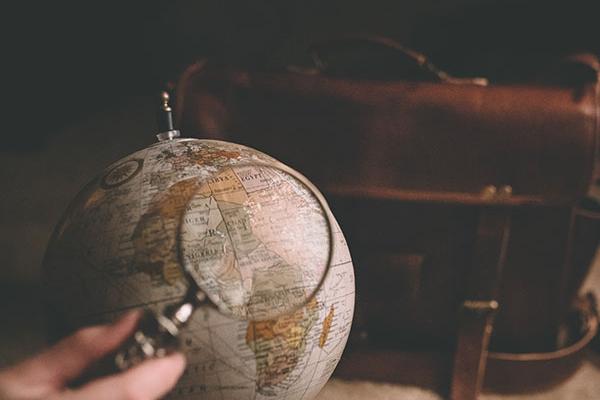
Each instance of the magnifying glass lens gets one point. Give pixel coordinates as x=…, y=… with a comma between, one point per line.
x=256, y=240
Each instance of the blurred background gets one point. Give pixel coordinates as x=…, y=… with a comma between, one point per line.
x=66, y=59
x=65, y=62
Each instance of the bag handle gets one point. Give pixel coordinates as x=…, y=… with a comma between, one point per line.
x=319, y=50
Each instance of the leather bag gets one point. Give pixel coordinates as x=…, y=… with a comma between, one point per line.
x=466, y=204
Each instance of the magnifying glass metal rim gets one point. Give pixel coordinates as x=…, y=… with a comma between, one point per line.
x=202, y=296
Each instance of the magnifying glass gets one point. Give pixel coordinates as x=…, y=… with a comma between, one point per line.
x=253, y=240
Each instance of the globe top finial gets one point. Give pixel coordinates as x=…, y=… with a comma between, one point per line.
x=166, y=131
x=164, y=95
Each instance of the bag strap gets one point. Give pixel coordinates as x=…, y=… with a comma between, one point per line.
x=320, y=52
x=514, y=372
x=478, y=311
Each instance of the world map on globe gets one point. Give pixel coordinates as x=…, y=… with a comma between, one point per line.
x=115, y=249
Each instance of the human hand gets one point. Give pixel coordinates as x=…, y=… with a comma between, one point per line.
x=47, y=375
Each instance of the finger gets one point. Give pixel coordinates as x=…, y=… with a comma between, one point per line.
x=150, y=380
x=71, y=356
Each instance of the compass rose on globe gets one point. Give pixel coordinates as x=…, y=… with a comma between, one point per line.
x=121, y=173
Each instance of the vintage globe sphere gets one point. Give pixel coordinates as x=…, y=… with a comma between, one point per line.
x=96, y=267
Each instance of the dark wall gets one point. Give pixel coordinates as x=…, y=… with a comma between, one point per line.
x=67, y=59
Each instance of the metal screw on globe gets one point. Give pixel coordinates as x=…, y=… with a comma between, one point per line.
x=236, y=257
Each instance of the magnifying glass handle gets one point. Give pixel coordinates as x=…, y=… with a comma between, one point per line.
x=154, y=337
x=157, y=335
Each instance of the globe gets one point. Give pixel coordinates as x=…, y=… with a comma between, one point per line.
x=109, y=254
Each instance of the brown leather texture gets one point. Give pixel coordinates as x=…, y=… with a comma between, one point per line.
x=418, y=140
x=408, y=167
